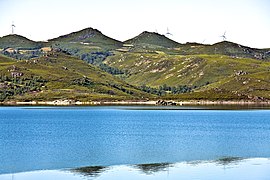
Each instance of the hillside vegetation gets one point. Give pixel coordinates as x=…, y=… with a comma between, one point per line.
x=225, y=48
x=150, y=38
x=87, y=65
x=18, y=42
x=89, y=45
x=60, y=76
x=216, y=74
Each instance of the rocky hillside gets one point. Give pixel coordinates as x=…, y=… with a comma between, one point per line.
x=149, y=65
x=218, y=74
x=60, y=76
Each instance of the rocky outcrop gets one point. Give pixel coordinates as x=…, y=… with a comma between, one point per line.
x=165, y=103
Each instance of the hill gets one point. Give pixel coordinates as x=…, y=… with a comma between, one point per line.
x=150, y=42
x=89, y=45
x=92, y=46
x=152, y=39
x=60, y=76
x=222, y=76
x=224, y=48
x=149, y=65
x=18, y=42
x=88, y=37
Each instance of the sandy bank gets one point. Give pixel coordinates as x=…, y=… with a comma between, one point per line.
x=178, y=103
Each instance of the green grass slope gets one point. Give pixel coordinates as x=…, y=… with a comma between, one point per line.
x=60, y=76
x=5, y=59
x=217, y=74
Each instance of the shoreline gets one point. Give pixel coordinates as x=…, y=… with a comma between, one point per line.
x=130, y=102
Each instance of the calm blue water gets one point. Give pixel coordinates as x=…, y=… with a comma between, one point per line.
x=34, y=138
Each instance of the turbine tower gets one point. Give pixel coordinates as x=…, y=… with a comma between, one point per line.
x=12, y=27
x=168, y=32
x=224, y=36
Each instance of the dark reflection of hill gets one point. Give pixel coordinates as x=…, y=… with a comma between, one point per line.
x=228, y=160
x=153, y=168
x=95, y=171
x=92, y=171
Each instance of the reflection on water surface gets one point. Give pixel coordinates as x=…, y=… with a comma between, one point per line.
x=222, y=169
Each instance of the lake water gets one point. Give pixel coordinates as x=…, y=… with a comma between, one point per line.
x=51, y=138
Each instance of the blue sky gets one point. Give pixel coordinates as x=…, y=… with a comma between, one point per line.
x=245, y=21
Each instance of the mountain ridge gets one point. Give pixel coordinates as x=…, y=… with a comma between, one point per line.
x=147, y=66
x=90, y=29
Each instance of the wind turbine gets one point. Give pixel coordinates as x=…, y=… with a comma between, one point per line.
x=203, y=41
x=168, y=32
x=224, y=36
x=12, y=27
